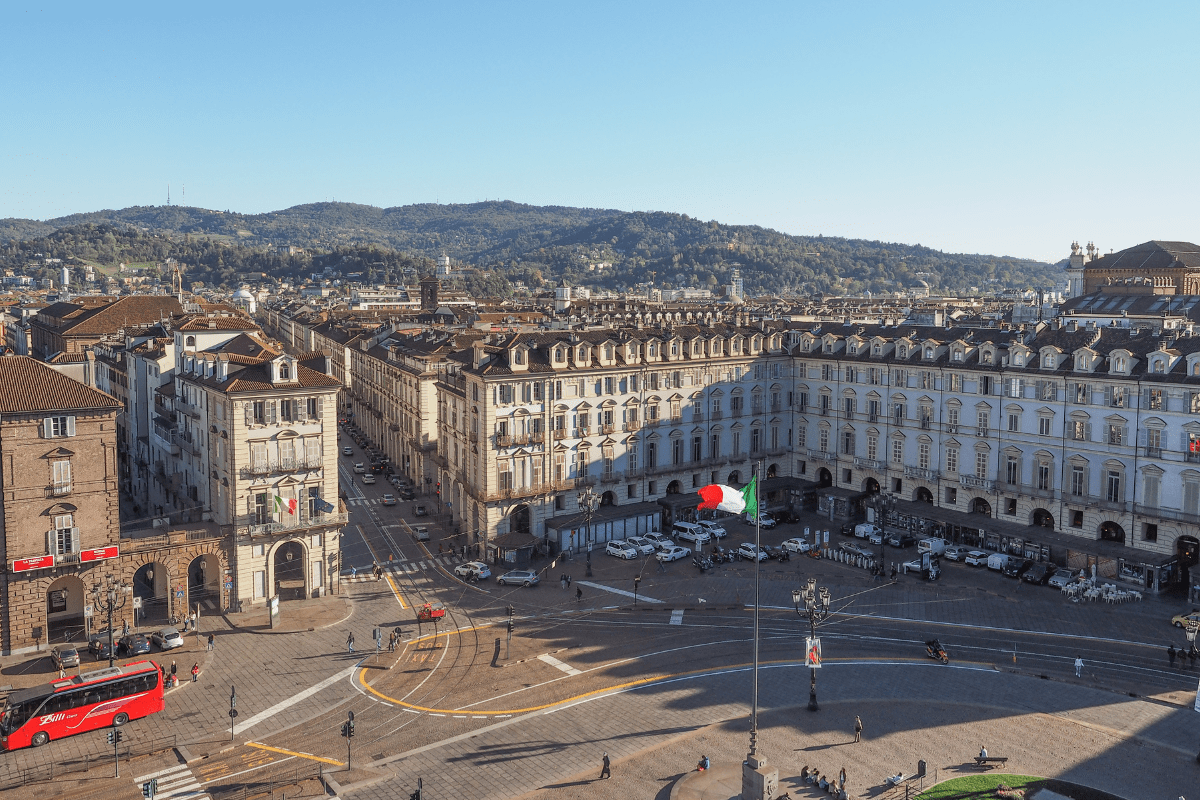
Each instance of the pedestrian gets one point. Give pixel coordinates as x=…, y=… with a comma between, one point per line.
x=857, y=728
x=173, y=668
x=1171, y=654
x=562, y=581
x=195, y=672
x=125, y=627
x=703, y=765
x=350, y=643
x=211, y=641
x=842, y=780
x=662, y=565
x=982, y=751
x=353, y=571
x=568, y=580
x=1192, y=658
x=578, y=593
x=1078, y=667
x=62, y=671
x=606, y=770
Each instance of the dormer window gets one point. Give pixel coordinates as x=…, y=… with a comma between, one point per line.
x=853, y=347
x=986, y=357
x=518, y=356
x=285, y=371
x=608, y=352
x=958, y=355
x=189, y=341
x=876, y=350
x=807, y=345
x=1119, y=363
x=560, y=354
x=929, y=354
x=652, y=351
x=1018, y=361
x=1158, y=366
x=1048, y=361
x=582, y=355
x=829, y=347
x=903, y=351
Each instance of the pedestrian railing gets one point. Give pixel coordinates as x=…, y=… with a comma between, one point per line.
x=42, y=773
x=266, y=784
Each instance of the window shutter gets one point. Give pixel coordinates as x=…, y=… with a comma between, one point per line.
x=249, y=409
x=70, y=426
x=74, y=544
x=50, y=542
x=1142, y=437
x=1125, y=434
x=48, y=428
x=272, y=414
x=1108, y=395
x=1087, y=431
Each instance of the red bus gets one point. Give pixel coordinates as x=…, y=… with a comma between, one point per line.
x=85, y=702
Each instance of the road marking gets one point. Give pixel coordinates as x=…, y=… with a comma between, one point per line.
x=554, y=662
x=602, y=587
x=294, y=753
x=677, y=617
x=283, y=704
x=174, y=783
x=252, y=769
x=161, y=772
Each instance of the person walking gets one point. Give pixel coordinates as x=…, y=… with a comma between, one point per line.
x=568, y=580
x=211, y=641
x=350, y=643
x=606, y=770
x=1078, y=667
x=1171, y=654
x=562, y=581
x=1192, y=658
x=578, y=593
x=173, y=669
x=857, y=729
x=842, y=780
x=195, y=672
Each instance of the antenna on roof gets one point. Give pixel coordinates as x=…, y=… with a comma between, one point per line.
x=168, y=194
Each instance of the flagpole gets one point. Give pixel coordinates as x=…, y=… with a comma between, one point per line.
x=757, y=550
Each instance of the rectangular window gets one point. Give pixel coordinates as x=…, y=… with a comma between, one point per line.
x=65, y=536
x=1191, y=498
x=697, y=448
x=258, y=411
x=1044, y=426
x=873, y=447
x=1048, y=390
x=897, y=451
x=981, y=465
x=1081, y=394
x=1078, y=481
x=1150, y=490
x=1112, y=487
x=1043, y=476
x=801, y=437
x=952, y=460
x=1014, y=423
x=1150, y=532
x=57, y=427
x=285, y=410
x=982, y=423
x=1155, y=400
x=60, y=477
x=1115, y=434
x=952, y=418
x=847, y=443
x=824, y=437
x=1117, y=396
x=923, y=455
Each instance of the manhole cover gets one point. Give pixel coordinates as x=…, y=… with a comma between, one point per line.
x=211, y=686
x=378, y=756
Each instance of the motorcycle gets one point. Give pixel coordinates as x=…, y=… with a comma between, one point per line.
x=934, y=649
x=701, y=565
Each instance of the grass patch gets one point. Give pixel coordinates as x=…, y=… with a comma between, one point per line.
x=986, y=787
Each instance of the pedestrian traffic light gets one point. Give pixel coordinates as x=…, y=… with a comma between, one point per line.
x=350, y=725
x=115, y=736
x=415, y=795
x=511, y=611
x=150, y=788
x=510, y=626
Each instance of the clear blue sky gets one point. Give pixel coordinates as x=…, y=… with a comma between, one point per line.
x=1003, y=128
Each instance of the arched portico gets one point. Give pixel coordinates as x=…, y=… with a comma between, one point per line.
x=64, y=609
x=289, y=572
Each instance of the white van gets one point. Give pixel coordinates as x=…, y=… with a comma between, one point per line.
x=998, y=561
x=933, y=546
x=865, y=530
x=690, y=532
x=712, y=528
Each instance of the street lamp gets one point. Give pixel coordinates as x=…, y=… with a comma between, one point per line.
x=812, y=604
x=589, y=501
x=883, y=504
x=1190, y=632
x=108, y=595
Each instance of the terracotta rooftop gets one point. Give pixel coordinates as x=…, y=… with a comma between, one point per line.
x=27, y=385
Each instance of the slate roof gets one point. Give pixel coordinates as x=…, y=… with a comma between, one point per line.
x=27, y=385
x=1149, y=257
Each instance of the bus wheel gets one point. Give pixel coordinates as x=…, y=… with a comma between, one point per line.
x=39, y=739
x=120, y=719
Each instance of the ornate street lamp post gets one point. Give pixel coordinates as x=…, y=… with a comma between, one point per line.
x=812, y=604
x=884, y=504
x=109, y=595
x=589, y=501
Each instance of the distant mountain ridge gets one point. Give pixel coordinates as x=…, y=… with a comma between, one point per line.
x=535, y=243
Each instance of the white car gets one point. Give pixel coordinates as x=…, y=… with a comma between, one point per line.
x=712, y=529
x=644, y=547
x=658, y=540
x=796, y=545
x=690, y=532
x=368, y=480
x=360, y=468
x=166, y=639
x=955, y=553
x=673, y=552
x=620, y=550
x=1061, y=578
x=473, y=571
x=748, y=551
x=765, y=520
x=977, y=558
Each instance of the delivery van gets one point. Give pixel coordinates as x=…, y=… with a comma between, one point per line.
x=933, y=546
x=998, y=561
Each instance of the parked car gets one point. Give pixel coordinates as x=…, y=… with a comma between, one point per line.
x=1016, y=567
x=912, y=565
x=421, y=511
x=1038, y=573
x=796, y=545
x=712, y=529
x=690, y=532
x=748, y=552
x=866, y=529
x=787, y=517
x=473, y=570
x=368, y=480
x=407, y=493
x=519, y=577
x=347, y=451
x=420, y=533
x=360, y=468
x=932, y=545
x=620, y=550
x=672, y=552
x=644, y=547
x=856, y=549
x=98, y=645
x=1061, y=578
x=901, y=540
x=64, y=656
x=658, y=540
x=1181, y=620
x=135, y=644
x=389, y=500
x=976, y=558
x=166, y=639
x=955, y=553
x=765, y=520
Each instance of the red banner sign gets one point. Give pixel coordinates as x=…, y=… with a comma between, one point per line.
x=100, y=553
x=27, y=564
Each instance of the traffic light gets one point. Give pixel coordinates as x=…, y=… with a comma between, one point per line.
x=115, y=736
x=415, y=795
x=350, y=725
x=511, y=611
x=510, y=626
x=439, y=488
x=150, y=788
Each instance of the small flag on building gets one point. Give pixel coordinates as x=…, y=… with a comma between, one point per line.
x=323, y=507
x=282, y=505
x=726, y=498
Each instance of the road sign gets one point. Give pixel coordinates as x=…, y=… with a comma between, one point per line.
x=137, y=602
x=100, y=553
x=37, y=562
x=179, y=595
x=88, y=610
x=228, y=584
x=233, y=712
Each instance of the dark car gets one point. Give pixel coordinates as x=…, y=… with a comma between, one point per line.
x=1015, y=568
x=902, y=540
x=406, y=492
x=135, y=644
x=98, y=645
x=1039, y=573
x=421, y=511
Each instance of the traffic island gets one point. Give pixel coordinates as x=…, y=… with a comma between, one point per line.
x=1012, y=787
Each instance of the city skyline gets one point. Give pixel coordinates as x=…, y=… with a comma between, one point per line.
x=1010, y=131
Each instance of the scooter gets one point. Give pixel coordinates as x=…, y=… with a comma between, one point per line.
x=700, y=565
x=934, y=649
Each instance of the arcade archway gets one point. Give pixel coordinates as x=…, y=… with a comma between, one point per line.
x=64, y=610
x=519, y=519
x=290, y=575
x=1043, y=518
x=608, y=499
x=824, y=478
x=735, y=478
x=204, y=582
x=923, y=495
x=1112, y=532
x=870, y=486
x=152, y=584
x=772, y=470
x=674, y=487
x=981, y=506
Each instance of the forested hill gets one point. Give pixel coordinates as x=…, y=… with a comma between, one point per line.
x=514, y=242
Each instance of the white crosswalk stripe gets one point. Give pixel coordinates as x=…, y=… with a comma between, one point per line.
x=364, y=575
x=174, y=783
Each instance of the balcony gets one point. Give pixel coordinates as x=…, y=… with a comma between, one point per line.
x=250, y=526
x=474, y=437
x=821, y=455
x=973, y=482
x=981, y=433
x=922, y=474
x=610, y=477
x=1167, y=513
x=1153, y=452
x=716, y=415
x=504, y=440
x=58, y=489
x=607, y=429
x=517, y=492
x=870, y=463
x=1111, y=505
x=872, y=418
x=582, y=432
x=560, y=433
x=952, y=430
x=271, y=466
x=537, y=437
x=824, y=411
x=632, y=426
x=926, y=423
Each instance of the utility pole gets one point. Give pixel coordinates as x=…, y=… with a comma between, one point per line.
x=233, y=712
x=108, y=595
x=511, y=625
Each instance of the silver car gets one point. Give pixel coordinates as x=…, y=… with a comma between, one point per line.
x=166, y=639
x=521, y=577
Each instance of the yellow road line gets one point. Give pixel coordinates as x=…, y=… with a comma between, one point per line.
x=396, y=591
x=280, y=750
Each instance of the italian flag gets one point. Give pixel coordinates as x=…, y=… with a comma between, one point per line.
x=726, y=498
x=282, y=505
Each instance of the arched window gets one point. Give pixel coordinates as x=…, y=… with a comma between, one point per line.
x=285, y=371
x=190, y=341
x=903, y=351
x=560, y=354
x=1158, y=365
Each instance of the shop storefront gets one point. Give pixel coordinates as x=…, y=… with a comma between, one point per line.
x=569, y=532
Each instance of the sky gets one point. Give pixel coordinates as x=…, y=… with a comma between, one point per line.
x=1006, y=128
